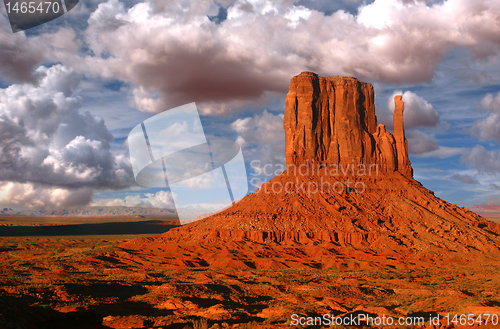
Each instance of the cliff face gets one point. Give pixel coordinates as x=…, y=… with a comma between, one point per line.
x=332, y=120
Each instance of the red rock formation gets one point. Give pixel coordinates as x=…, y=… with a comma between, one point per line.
x=404, y=165
x=332, y=120
x=381, y=215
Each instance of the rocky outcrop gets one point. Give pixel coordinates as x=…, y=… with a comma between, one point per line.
x=332, y=121
x=340, y=211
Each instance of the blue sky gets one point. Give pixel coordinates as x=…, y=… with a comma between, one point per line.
x=72, y=89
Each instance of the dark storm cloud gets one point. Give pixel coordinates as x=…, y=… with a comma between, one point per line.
x=47, y=141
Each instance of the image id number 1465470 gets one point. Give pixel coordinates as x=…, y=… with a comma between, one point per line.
x=33, y=7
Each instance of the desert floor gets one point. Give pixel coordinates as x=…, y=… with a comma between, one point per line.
x=90, y=281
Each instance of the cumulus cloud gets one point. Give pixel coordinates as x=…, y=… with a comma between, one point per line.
x=161, y=199
x=489, y=127
x=262, y=139
x=465, y=179
x=483, y=160
x=172, y=53
x=47, y=142
x=18, y=54
x=420, y=142
x=491, y=103
x=417, y=113
x=42, y=197
x=486, y=129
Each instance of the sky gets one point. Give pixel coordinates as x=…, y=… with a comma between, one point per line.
x=72, y=89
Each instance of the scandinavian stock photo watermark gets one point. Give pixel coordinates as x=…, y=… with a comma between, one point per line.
x=343, y=175
x=171, y=151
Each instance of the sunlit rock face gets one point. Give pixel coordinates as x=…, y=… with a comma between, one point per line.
x=347, y=190
x=332, y=121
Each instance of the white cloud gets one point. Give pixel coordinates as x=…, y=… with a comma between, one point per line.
x=417, y=113
x=262, y=138
x=171, y=53
x=42, y=197
x=378, y=14
x=489, y=127
x=483, y=160
x=491, y=103
x=172, y=48
x=51, y=148
x=18, y=54
x=486, y=129
x=204, y=182
x=420, y=143
x=145, y=100
x=161, y=199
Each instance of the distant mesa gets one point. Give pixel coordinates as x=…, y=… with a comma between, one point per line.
x=109, y=211
x=487, y=211
x=369, y=218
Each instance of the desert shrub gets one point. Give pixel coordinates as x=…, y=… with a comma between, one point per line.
x=200, y=324
x=249, y=325
x=386, y=276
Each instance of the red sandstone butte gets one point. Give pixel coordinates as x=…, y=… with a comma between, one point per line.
x=384, y=218
x=332, y=120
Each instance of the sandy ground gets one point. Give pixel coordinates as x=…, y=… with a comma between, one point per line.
x=91, y=282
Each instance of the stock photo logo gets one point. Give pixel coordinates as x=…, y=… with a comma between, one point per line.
x=24, y=15
x=171, y=150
